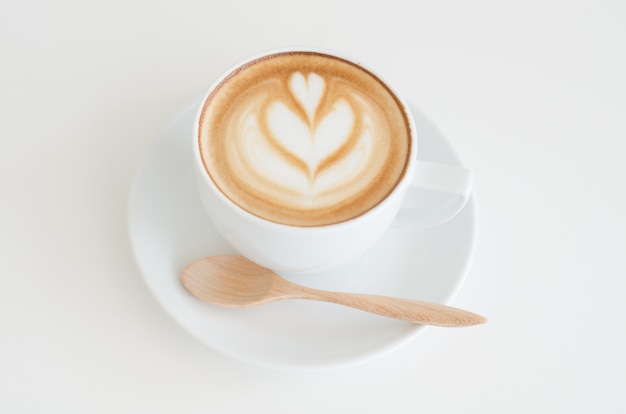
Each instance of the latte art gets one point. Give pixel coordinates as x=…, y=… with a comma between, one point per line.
x=304, y=149
x=304, y=139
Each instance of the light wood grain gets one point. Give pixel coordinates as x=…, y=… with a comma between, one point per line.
x=234, y=281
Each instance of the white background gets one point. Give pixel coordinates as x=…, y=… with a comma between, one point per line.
x=532, y=93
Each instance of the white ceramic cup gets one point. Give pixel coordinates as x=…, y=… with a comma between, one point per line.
x=427, y=195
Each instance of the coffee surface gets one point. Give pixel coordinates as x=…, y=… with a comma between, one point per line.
x=304, y=139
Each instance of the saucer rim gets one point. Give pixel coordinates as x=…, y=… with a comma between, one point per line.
x=357, y=357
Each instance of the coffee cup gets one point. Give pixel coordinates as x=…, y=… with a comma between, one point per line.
x=304, y=158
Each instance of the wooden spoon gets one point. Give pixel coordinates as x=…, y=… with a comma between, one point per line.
x=234, y=281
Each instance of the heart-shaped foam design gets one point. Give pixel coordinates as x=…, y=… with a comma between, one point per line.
x=307, y=91
x=311, y=143
x=306, y=143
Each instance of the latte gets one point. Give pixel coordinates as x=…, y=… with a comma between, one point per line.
x=304, y=138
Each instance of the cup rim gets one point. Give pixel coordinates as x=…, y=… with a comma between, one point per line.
x=397, y=191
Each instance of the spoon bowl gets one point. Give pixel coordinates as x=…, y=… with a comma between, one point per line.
x=230, y=281
x=234, y=281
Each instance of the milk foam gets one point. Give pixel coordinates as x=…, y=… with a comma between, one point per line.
x=295, y=145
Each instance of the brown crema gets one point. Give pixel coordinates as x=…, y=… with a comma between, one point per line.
x=304, y=138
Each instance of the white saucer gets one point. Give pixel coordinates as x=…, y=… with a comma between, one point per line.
x=169, y=229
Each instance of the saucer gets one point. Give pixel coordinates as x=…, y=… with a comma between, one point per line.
x=169, y=229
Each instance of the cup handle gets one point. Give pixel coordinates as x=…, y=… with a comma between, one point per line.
x=437, y=193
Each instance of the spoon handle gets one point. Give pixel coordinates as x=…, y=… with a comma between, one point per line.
x=415, y=311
